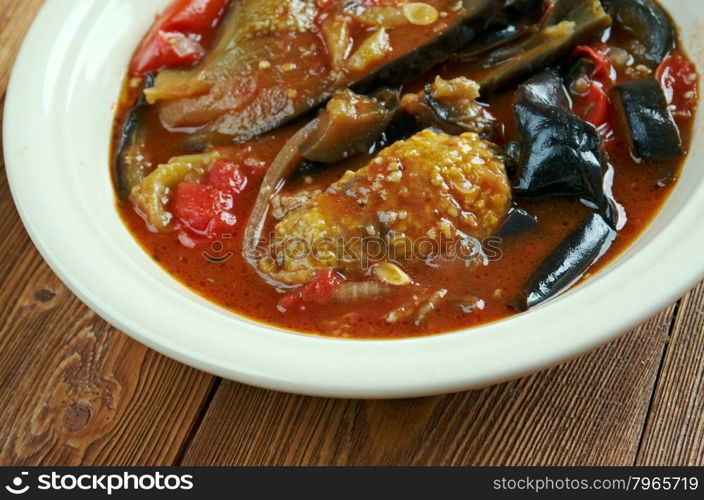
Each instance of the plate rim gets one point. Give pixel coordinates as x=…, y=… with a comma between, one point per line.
x=333, y=379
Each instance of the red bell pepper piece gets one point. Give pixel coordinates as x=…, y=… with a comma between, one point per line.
x=593, y=106
x=603, y=69
x=178, y=36
x=678, y=77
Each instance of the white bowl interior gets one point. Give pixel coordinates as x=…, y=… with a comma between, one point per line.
x=58, y=122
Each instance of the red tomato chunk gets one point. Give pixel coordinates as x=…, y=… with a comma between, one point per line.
x=227, y=177
x=209, y=210
x=203, y=209
x=318, y=291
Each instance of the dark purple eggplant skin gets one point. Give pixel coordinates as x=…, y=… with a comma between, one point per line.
x=558, y=154
x=131, y=131
x=569, y=261
x=401, y=128
x=517, y=223
x=479, y=14
x=352, y=127
x=561, y=155
x=652, y=131
x=493, y=40
x=522, y=10
x=545, y=88
x=568, y=24
x=646, y=22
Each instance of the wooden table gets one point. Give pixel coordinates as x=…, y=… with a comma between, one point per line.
x=74, y=390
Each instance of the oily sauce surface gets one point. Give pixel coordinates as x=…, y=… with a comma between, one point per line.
x=217, y=271
x=233, y=284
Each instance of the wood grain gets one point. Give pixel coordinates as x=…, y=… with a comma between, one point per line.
x=589, y=411
x=73, y=390
x=15, y=19
x=674, y=434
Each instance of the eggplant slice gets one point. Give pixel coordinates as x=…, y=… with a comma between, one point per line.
x=237, y=93
x=518, y=222
x=493, y=41
x=647, y=24
x=450, y=106
x=569, y=23
x=569, y=261
x=652, y=131
x=546, y=89
x=131, y=160
x=561, y=155
x=351, y=124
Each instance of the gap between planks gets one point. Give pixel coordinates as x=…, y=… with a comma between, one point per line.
x=590, y=411
x=658, y=375
x=197, y=421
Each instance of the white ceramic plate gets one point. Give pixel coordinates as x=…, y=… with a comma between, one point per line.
x=58, y=117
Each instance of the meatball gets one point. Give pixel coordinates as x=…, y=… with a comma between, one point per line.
x=430, y=186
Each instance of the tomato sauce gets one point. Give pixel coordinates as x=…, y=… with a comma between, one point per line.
x=215, y=268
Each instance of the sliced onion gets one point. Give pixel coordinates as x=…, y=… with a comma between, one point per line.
x=285, y=163
x=361, y=290
x=429, y=307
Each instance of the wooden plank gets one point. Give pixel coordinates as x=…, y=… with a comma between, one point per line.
x=15, y=18
x=674, y=432
x=73, y=390
x=590, y=411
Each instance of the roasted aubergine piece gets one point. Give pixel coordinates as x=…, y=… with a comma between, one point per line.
x=451, y=106
x=432, y=186
x=567, y=24
x=566, y=265
x=276, y=59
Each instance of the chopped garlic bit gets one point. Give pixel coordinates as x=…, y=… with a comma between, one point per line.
x=391, y=274
x=420, y=14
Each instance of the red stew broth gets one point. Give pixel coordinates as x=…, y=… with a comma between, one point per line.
x=641, y=188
